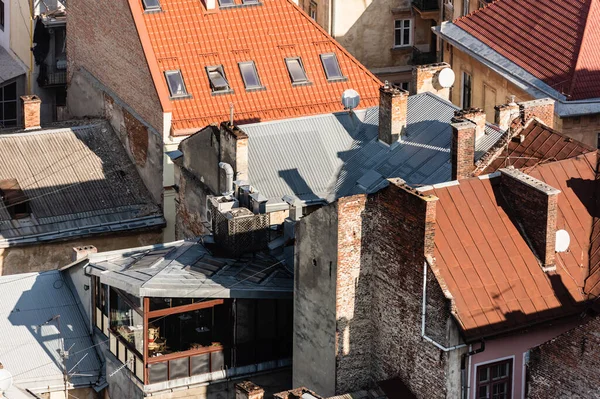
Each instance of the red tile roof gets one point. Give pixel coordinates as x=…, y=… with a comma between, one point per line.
x=187, y=37
x=492, y=275
x=555, y=40
x=541, y=144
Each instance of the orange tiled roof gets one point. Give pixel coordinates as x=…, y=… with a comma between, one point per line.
x=554, y=40
x=185, y=36
x=493, y=276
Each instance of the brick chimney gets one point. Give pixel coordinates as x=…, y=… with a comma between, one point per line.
x=475, y=115
x=31, y=112
x=82, y=252
x=248, y=390
x=393, y=107
x=535, y=206
x=234, y=150
x=463, y=149
x=506, y=113
x=542, y=109
x=425, y=80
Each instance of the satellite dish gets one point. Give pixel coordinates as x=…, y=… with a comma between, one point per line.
x=446, y=77
x=5, y=379
x=350, y=99
x=562, y=240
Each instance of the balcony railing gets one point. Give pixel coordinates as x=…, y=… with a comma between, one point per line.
x=426, y=5
x=421, y=58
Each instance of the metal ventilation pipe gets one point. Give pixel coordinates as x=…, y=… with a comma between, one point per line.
x=229, y=181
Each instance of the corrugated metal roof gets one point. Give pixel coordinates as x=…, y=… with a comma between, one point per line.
x=10, y=68
x=179, y=269
x=323, y=157
x=75, y=178
x=28, y=351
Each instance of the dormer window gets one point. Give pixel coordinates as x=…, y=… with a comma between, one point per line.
x=250, y=75
x=296, y=70
x=226, y=3
x=151, y=5
x=218, y=80
x=331, y=67
x=175, y=83
x=13, y=198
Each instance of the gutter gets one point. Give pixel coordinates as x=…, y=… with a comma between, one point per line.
x=423, y=318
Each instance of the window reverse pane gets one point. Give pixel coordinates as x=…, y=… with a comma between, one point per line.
x=249, y=74
x=151, y=5
x=218, y=81
x=331, y=66
x=175, y=82
x=296, y=70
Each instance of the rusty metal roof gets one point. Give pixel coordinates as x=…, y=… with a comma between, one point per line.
x=493, y=277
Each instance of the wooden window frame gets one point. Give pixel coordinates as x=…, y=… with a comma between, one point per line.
x=491, y=382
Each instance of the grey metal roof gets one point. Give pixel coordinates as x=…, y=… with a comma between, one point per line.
x=29, y=351
x=10, y=68
x=324, y=157
x=187, y=269
x=78, y=180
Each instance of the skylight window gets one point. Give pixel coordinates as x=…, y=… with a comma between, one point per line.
x=250, y=1
x=175, y=83
x=296, y=70
x=250, y=75
x=226, y=3
x=218, y=80
x=331, y=67
x=151, y=5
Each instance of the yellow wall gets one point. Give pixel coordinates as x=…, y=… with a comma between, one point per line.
x=488, y=88
x=20, y=17
x=585, y=128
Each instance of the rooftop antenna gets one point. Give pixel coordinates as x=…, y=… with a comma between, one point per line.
x=562, y=240
x=6, y=380
x=350, y=99
x=231, y=114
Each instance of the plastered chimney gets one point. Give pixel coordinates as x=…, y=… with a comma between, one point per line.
x=542, y=109
x=248, y=390
x=506, y=113
x=425, y=79
x=475, y=115
x=535, y=204
x=31, y=112
x=393, y=107
x=462, y=149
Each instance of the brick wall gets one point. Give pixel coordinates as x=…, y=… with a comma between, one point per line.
x=425, y=80
x=103, y=39
x=462, y=149
x=393, y=105
x=190, y=207
x=567, y=366
x=543, y=109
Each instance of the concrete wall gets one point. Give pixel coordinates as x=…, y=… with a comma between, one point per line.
x=314, y=361
x=20, y=39
x=37, y=258
x=80, y=393
x=584, y=128
x=143, y=144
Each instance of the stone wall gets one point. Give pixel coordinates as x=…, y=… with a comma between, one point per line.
x=567, y=366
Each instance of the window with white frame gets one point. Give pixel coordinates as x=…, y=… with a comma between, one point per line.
x=494, y=380
x=402, y=32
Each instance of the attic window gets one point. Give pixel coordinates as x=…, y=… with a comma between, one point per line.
x=151, y=5
x=250, y=1
x=13, y=198
x=331, y=67
x=250, y=75
x=296, y=70
x=218, y=80
x=226, y=3
x=176, y=85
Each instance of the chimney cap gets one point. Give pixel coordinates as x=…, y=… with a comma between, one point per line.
x=31, y=99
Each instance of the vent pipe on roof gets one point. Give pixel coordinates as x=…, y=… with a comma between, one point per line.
x=229, y=181
x=231, y=114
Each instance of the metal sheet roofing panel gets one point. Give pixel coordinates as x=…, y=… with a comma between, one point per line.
x=29, y=347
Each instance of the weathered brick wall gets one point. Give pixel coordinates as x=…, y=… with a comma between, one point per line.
x=190, y=206
x=102, y=38
x=425, y=80
x=462, y=151
x=567, y=366
x=392, y=114
x=543, y=109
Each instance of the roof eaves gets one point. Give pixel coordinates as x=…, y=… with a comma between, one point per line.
x=159, y=82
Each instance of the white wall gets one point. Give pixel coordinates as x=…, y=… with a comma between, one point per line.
x=5, y=34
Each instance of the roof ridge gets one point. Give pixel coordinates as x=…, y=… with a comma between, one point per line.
x=477, y=10
x=584, y=39
x=334, y=41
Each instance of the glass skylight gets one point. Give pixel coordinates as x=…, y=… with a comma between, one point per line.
x=175, y=83
x=250, y=75
x=296, y=70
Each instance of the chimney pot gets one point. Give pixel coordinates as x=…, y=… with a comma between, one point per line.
x=248, y=390
x=82, y=252
x=463, y=149
x=393, y=107
x=31, y=112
